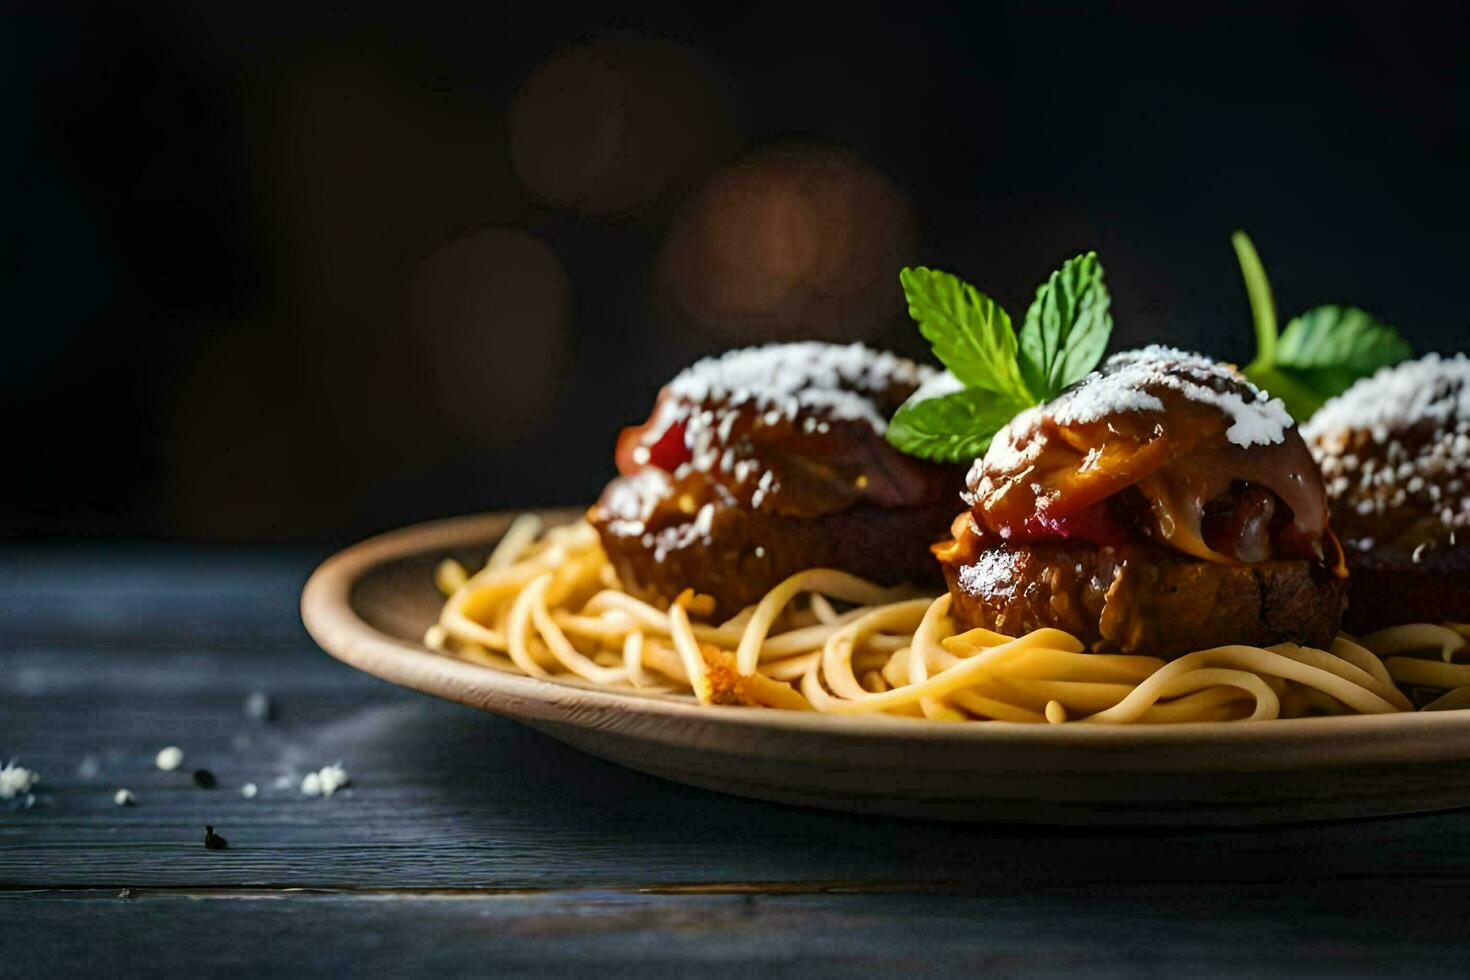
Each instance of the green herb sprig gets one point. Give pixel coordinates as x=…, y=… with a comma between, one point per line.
x=996, y=372
x=1320, y=353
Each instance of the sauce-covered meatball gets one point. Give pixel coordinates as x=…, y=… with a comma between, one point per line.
x=1161, y=505
x=767, y=461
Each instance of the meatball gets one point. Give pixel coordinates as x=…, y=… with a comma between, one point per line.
x=1395, y=453
x=764, y=462
x=1159, y=506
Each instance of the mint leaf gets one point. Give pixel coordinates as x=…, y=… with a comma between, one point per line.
x=1320, y=353
x=1323, y=351
x=1067, y=327
x=1337, y=345
x=953, y=428
x=970, y=333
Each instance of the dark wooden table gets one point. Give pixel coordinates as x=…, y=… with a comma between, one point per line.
x=469, y=844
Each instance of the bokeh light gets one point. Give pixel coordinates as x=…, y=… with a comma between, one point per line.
x=610, y=125
x=365, y=167
x=279, y=428
x=800, y=240
x=487, y=314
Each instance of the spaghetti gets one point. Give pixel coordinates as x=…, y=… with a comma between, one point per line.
x=548, y=604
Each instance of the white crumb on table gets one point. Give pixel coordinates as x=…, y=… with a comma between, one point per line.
x=325, y=781
x=258, y=706
x=16, y=780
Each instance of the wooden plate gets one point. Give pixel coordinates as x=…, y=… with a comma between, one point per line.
x=369, y=606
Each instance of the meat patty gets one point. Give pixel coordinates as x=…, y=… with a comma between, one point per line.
x=737, y=555
x=1145, y=599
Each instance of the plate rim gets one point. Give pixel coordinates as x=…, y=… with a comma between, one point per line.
x=327, y=613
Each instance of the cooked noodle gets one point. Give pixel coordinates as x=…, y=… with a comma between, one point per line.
x=549, y=605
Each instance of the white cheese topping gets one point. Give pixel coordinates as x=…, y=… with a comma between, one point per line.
x=1399, y=442
x=809, y=385
x=1124, y=383
x=993, y=574
x=1431, y=390
x=788, y=379
x=940, y=384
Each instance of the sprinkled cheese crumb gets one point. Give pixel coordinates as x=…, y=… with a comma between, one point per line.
x=124, y=797
x=1096, y=399
x=991, y=574
x=1395, y=453
x=1433, y=390
x=810, y=383
x=786, y=378
x=941, y=384
x=169, y=758
x=325, y=781
x=1128, y=381
x=16, y=781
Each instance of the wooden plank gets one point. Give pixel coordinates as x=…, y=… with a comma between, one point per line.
x=470, y=844
x=1101, y=930
x=152, y=595
x=444, y=795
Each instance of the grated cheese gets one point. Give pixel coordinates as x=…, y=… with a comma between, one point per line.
x=940, y=384
x=993, y=574
x=1397, y=445
x=721, y=404
x=1431, y=391
x=1128, y=382
x=789, y=378
x=809, y=384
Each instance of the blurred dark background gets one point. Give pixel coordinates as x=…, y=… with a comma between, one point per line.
x=278, y=271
